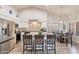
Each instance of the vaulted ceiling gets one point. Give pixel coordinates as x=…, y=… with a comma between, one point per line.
x=55, y=9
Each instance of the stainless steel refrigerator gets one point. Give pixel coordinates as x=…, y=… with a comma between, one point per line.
x=6, y=36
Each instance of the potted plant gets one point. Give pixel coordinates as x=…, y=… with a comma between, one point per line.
x=40, y=32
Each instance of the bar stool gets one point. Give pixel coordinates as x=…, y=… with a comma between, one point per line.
x=39, y=43
x=51, y=42
x=27, y=43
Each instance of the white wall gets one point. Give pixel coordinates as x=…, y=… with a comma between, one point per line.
x=52, y=22
x=28, y=14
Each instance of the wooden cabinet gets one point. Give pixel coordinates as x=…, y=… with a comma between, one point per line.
x=5, y=47
x=12, y=42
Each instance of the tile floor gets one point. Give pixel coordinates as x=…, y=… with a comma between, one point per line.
x=61, y=48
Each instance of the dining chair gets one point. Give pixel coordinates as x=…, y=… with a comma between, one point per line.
x=27, y=43
x=62, y=37
x=58, y=37
x=39, y=43
x=51, y=43
x=69, y=38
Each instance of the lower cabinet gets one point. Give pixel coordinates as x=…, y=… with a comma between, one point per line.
x=12, y=42
x=6, y=47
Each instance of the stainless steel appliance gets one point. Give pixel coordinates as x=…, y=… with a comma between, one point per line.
x=6, y=36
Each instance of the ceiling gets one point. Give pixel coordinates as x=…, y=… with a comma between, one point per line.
x=55, y=9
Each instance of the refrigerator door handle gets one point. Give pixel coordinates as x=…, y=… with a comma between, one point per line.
x=4, y=31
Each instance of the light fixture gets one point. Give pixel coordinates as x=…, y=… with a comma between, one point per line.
x=35, y=23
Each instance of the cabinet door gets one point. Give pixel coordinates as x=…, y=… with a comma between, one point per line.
x=5, y=47
x=12, y=44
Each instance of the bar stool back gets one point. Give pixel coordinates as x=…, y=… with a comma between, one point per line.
x=39, y=43
x=27, y=43
x=51, y=43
